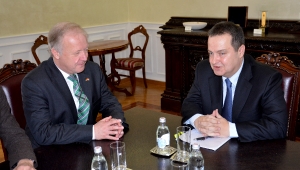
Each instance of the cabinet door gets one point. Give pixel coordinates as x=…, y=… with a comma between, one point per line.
x=171, y=98
x=193, y=55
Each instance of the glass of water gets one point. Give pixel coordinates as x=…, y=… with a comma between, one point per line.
x=118, y=155
x=183, y=143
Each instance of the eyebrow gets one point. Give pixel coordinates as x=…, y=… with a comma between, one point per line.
x=217, y=51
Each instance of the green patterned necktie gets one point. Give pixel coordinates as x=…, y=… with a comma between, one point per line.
x=84, y=105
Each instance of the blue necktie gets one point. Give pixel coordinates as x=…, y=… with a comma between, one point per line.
x=227, y=107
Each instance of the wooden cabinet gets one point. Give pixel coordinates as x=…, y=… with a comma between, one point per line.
x=183, y=50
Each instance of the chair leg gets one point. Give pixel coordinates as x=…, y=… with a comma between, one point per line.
x=144, y=77
x=133, y=81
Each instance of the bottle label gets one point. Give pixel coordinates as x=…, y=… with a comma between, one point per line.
x=163, y=141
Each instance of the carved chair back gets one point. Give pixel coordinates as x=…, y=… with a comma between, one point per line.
x=41, y=40
x=11, y=76
x=142, y=30
x=290, y=84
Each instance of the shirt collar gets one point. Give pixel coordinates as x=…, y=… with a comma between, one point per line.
x=233, y=79
x=66, y=75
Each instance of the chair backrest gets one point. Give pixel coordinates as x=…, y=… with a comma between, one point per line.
x=41, y=40
x=291, y=82
x=11, y=76
x=142, y=30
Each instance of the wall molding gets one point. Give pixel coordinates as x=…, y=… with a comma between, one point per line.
x=19, y=46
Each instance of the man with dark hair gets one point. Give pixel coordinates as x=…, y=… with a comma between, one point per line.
x=232, y=94
x=17, y=144
x=63, y=95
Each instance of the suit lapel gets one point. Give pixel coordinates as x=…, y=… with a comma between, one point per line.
x=215, y=90
x=242, y=90
x=60, y=84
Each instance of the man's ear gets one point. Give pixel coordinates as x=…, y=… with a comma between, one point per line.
x=55, y=53
x=241, y=50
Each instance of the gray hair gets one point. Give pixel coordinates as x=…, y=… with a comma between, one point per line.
x=230, y=28
x=57, y=33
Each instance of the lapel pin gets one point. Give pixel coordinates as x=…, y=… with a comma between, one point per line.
x=87, y=79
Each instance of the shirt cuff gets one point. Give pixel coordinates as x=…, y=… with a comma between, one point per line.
x=93, y=133
x=232, y=130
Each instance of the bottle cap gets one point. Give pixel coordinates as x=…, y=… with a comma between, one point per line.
x=162, y=120
x=97, y=149
x=195, y=146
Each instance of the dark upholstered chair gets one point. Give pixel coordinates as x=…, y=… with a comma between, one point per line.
x=131, y=63
x=41, y=40
x=11, y=76
x=291, y=84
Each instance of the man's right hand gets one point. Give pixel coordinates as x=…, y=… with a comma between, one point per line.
x=107, y=129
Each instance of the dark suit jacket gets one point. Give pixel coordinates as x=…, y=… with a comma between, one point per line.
x=259, y=109
x=50, y=110
x=14, y=138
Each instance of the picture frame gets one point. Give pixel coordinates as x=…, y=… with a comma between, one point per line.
x=238, y=15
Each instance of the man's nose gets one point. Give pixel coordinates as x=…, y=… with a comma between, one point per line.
x=84, y=56
x=215, y=59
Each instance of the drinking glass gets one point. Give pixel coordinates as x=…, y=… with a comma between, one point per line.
x=118, y=155
x=183, y=143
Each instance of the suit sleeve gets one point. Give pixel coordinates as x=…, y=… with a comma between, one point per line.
x=110, y=106
x=14, y=138
x=192, y=104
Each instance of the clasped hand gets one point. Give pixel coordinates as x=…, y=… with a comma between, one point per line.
x=212, y=125
x=109, y=128
x=25, y=164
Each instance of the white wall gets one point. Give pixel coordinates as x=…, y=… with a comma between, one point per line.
x=19, y=47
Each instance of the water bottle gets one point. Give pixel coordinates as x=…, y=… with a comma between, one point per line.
x=162, y=136
x=99, y=161
x=196, y=161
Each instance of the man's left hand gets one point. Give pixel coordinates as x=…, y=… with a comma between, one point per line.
x=223, y=124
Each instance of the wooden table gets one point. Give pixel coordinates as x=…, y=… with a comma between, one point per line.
x=233, y=155
x=103, y=47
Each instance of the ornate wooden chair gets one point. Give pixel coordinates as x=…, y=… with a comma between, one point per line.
x=291, y=82
x=132, y=64
x=11, y=76
x=41, y=40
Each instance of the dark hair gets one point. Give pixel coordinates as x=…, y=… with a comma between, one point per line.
x=230, y=28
